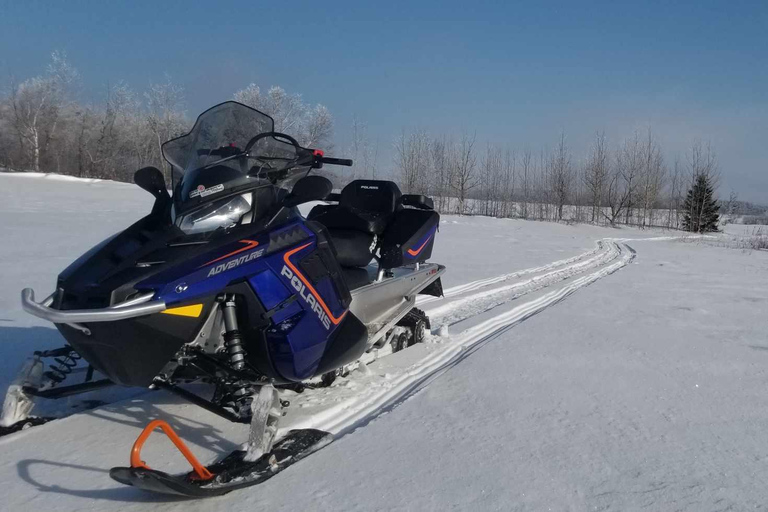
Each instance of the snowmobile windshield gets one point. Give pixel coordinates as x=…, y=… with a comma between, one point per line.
x=231, y=150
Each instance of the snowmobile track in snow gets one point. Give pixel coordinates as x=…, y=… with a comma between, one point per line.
x=465, y=307
x=369, y=400
x=483, y=283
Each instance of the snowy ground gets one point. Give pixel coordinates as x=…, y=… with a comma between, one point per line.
x=576, y=375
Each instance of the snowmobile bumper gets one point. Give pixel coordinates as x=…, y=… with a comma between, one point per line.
x=138, y=306
x=128, y=342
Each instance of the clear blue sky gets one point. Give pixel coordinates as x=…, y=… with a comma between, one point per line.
x=515, y=73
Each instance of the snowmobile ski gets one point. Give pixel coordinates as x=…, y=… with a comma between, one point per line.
x=32, y=421
x=230, y=473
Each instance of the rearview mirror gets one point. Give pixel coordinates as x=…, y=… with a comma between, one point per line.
x=308, y=188
x=151, y=180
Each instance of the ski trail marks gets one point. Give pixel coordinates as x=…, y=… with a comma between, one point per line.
x=465, y=307
x=376, y=393
x=482, y=283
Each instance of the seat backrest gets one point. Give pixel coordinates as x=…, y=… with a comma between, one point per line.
x=375, y=196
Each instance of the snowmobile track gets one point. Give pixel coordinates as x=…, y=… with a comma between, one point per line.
x=464, y=307
x=482, y=283
x=367, y=404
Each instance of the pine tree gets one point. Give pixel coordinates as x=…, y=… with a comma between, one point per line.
x=700, y=207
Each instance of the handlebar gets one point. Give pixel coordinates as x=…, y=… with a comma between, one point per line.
x=336, y=161
x=315, y=159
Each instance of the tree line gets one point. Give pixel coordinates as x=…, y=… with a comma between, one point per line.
x=615, y=182
x=45, y=128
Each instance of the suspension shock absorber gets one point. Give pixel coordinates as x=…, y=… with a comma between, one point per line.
x=232, y=338
x=243, y=391
x=65, y=364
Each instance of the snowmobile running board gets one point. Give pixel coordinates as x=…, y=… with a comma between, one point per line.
x=231, y=473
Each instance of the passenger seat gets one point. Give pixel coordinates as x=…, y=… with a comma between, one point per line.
x=365, y=209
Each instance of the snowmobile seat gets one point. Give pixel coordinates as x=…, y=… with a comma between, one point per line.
x=365, y=209
x=353, y=248
x=356, y=277
x=366, y=206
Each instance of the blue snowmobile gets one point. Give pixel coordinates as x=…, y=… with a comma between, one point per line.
x=226, y=283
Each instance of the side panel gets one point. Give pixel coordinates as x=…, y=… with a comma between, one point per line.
x=300, y=297
x=300, y=332
x=409, y=238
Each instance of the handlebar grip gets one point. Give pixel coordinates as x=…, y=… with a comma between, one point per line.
x=337, y=161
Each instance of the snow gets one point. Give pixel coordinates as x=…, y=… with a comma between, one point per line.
x=576, y=367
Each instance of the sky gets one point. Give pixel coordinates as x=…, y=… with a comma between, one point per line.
x=514, y=73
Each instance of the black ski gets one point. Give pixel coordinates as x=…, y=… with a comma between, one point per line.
x=232, y=472
x=32, y=421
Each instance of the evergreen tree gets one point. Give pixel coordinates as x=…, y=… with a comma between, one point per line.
x=700, y=207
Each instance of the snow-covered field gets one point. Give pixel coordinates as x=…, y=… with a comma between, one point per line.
x=584, y=368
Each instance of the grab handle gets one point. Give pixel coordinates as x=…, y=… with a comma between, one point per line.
x=136, y=462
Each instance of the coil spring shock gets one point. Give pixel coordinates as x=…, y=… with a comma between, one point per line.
x=65, y=365
x=242, y=390
x=232, y=338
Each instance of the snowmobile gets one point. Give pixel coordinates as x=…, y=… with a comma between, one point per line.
x=226, y=284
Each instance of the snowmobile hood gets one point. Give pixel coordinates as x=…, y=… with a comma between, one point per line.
x=126, y=263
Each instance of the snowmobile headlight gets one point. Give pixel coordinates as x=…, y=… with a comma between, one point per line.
x=219, y=214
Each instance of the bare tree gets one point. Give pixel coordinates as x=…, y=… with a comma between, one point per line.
x=165, y=114
x=441, y=150
x=310, y=125
x=358, y=146
x=630, y=163
x=703, y=160
x=361, y=151
x=617, y=196
x=675, y=196
x=490, y=179
x=526, y=170
x=508, y=179
x=412, y=160
x=465, y=164
x=317, y=128
x=596, y=174
x=37, y=105
x=560, y=176
x=43, y=128
x=652, y=179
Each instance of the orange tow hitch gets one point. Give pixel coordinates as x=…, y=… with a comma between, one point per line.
x=201, y=471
